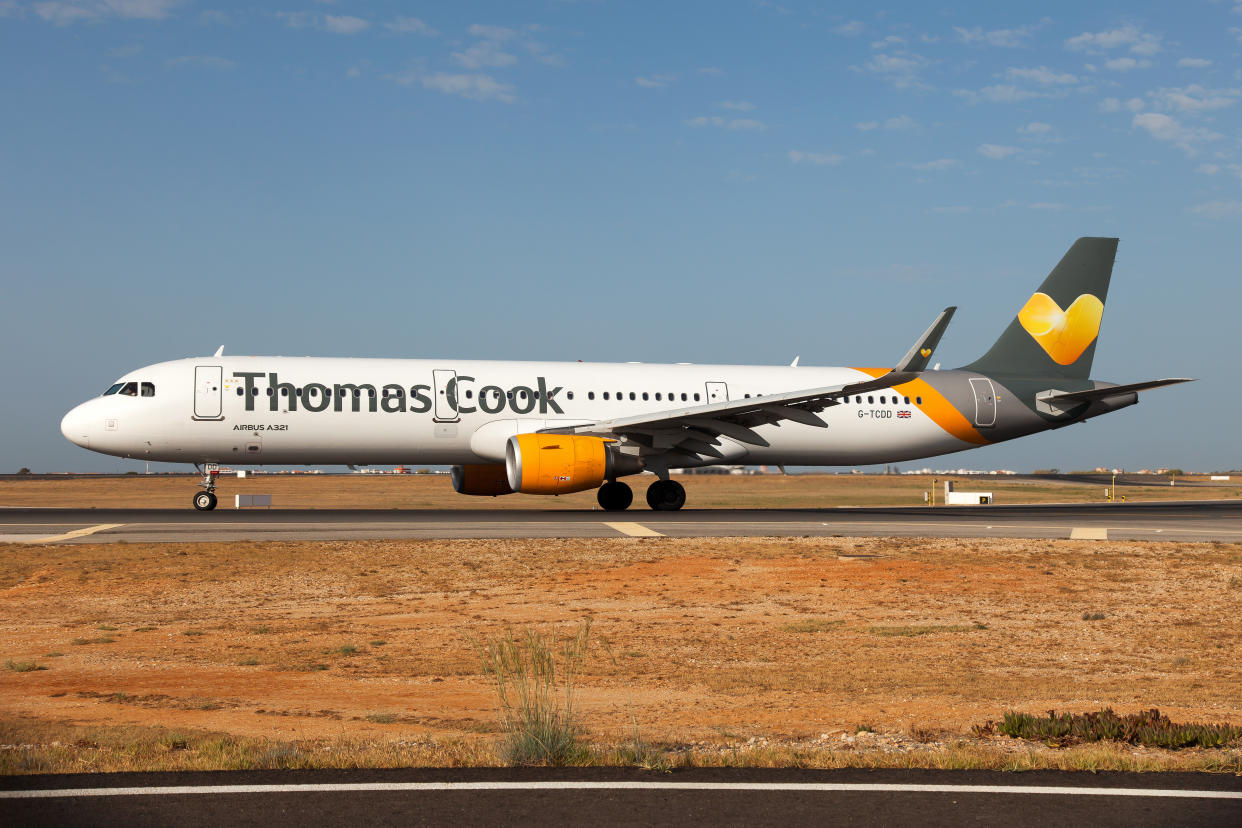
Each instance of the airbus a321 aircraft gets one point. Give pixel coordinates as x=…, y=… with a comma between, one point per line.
x=556, y=427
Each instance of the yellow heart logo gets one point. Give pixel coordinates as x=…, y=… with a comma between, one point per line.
x=925, y=352
x=1063, y=334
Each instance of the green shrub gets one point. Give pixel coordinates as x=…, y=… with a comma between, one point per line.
x=1149, y=728
x=535, y=695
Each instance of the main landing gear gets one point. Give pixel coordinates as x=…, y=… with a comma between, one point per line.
x=662, y=496
x=614, y=496
x=666, y=496
x=205, y=500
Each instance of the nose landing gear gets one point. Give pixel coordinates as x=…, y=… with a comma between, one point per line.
x=205, y=500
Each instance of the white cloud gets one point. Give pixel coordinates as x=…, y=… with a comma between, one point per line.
x=655, y=81
x=1194, y=63
x=995, y=37
x=1004, y=93
x=1193, y=98
x=1041, y=75
x=474, y=86
x=492, y=32
x=1218, y=209
x=343, y=24
x=1125, y=64
x=816, y=159
x=485, y=53
x=78, y=11
x=410, y=25
x=891, y=40
x=334, y=24
x=740, y=106
x=125, y=51
x=951, y=209
x=734, y=124
x=1208, y=169
x=939, y=165
x=1166, y=128
x=1046, y=205
x=851, y=29
x=900, y=123
x=901, y=69
x=996, y=151
x=867, y=126
x=353, y=72
x=1035, y=128
x=1116, y=104
x=1139, y=42
x=710, y=71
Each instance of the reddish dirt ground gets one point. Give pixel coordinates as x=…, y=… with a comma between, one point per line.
x=713, y=640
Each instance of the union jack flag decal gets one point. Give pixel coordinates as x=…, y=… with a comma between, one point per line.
x=905, y=415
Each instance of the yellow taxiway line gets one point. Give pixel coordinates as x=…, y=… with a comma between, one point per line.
x=634, y=530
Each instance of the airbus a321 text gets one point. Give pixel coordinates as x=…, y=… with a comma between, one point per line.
x=556, y=427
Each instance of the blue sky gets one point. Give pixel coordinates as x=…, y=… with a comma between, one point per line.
x=697, y=181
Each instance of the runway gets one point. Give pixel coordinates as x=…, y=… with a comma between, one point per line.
x=1178, y=521
x=612, y=796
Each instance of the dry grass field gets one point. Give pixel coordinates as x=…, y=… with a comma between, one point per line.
x=420, y=491
x=816, y=652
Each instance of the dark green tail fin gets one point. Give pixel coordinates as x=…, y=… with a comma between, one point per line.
x=1054, y=334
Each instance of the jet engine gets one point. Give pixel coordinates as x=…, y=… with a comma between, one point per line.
x=485, y=479
x=562, y=463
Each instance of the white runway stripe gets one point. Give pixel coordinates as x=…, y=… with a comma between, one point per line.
x=795, y=787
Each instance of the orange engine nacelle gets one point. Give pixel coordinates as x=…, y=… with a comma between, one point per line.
x=485, y=479
x=556, y=463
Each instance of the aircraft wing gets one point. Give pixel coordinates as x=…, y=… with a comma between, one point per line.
x=695, y=430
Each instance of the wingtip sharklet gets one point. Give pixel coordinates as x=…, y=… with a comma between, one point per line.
x=917, y=357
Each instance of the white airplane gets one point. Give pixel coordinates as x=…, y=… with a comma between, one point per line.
x=557, y=427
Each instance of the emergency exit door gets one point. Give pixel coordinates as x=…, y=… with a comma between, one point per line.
x=207, y=393
x=717, y=392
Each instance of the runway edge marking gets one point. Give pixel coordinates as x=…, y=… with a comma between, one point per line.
x=797, y=787
x=78, y=533
x=633, y=530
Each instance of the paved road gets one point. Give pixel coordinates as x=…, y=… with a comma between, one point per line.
x=608, y=796
x=1193, y=521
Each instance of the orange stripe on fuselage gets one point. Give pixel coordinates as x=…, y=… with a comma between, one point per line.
x=935, y=405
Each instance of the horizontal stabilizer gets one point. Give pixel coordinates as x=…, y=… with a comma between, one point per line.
x=1110, y=391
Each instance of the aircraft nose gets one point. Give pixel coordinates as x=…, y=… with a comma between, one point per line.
x=74, y=427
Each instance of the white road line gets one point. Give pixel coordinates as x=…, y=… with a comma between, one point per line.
x=634, y=530
x=796, y=787
x=78, y=533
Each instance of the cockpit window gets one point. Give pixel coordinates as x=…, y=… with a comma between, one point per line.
x=129, y=389
x=113, y=389
x=148, y=389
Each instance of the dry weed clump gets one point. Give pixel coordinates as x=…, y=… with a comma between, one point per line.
x=534, y=679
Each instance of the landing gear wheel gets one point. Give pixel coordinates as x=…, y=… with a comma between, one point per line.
x=204, y=501
x=615, y=496
x=666, y=496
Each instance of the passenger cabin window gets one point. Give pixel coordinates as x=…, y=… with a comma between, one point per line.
x=632, y=395
x=590, y=395
x=605, y=395
x=918, y=400
x=683, y=396
x=696, y=396
x=871, y=400
x=569, y=394
x=129, y=389
x=113, y=389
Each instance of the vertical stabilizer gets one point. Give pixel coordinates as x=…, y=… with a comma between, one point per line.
x=1055, y=332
